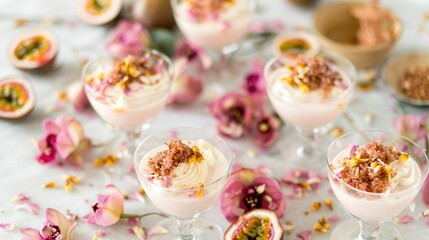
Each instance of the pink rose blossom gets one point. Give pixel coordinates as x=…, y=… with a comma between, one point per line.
x=412, y=126
x=108, y=209
x=234, y=113
x=249, y=189
x=55, y=227
x=266, y=131
x=65, y=139
x=128, y=38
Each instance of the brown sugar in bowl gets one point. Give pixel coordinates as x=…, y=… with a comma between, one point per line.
x=337, y=30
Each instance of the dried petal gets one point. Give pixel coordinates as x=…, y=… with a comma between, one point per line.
x=321, y=225
x=316, y=206
x=328, y=203
x=52, y=184
x=304, y=235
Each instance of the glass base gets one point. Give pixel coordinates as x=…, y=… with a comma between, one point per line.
x=350, y=230
x=203, y=230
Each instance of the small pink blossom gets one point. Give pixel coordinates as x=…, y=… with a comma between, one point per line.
x=23, y=202
x=254, y=84
x=65, y=139
x=108, y=209
x=128, y=38
x=249, y=189
x=266, y=131
x=304, y=235
x=185, y=88
x=234, y=113
x=412, y=126
x=55, y=227
x=187, y=54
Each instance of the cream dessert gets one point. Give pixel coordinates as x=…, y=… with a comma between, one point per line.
x=182, y=177
x=309, y=92
x=129, y=92
x=371, y=180
x=213, y=24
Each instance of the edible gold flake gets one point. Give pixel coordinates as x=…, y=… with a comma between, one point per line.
x=355, y=161
x=196, y=156
x=404, y=158
x=321, y=225
x=52, y=184
x=316, y=206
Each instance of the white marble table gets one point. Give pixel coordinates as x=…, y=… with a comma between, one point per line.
x=21, y=173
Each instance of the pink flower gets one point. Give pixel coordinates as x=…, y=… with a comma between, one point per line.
x=185, y=88
x=425, y=191
x=412, y=126
x=108, y=209
x=254, y=84
x=127, y=38
x=187, y=53
x=249, y=189
x=234, y=113
x=266, y=132
x=64, y=138
x=55, y=227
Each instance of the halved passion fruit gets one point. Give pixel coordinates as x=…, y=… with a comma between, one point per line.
x=287, y=46
x=98, y=12
x=33, y=49
x=258, y=224
x=17, y=97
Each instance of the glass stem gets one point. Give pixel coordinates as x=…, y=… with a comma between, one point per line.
x=307, y=137
x=186, y=229
x=133, y=137
x=368, y=230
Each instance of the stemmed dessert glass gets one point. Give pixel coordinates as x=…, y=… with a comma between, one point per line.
x=133, y=112
x=306, y=112
x=183, y=206
x=215, y=25
x=372, y=209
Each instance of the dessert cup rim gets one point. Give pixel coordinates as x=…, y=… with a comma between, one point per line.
x=107, y=58
x=136, y=162
x=416, y=186
x=327, y=100
x=356, y=47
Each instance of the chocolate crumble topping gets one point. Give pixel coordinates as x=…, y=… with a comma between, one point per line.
x=368, y=168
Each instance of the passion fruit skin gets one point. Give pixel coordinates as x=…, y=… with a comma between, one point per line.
x=17, y=97
x=18, y=50
x=92, y=12
x=258, y=224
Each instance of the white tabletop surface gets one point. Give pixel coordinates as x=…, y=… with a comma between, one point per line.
x=21, y=173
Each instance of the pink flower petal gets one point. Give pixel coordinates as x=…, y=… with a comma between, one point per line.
x=304, y=235
x=100, y=233
x=30, y=234
x=136, y=196
x=58, y=219
x=334, y=218
x=425, y=192
x=111, y=210
x=405, y=219
x=23, y=202
x=51, y=127
x=7, y=226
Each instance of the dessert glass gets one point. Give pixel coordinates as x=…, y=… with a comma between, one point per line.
x=183, y=206
x=372, y=209
x=130, y=113
x=213, y=28
x=307, y=113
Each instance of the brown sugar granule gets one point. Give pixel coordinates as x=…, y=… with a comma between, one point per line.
x=164, y=162
x=313, y=74
x=415, y=84
x=368, y=169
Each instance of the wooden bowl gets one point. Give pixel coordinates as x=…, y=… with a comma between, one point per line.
x=337, y=30
x=393, y=71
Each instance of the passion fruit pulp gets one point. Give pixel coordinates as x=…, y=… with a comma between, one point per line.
x=258, y=224
x=33, y=49
x=98, y=12
x=17, y=98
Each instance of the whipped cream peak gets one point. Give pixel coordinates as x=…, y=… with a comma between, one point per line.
x=376, y=168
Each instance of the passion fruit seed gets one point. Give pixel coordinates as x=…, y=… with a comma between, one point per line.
x=12, y=97
x=32, y=48
x=98, y=7
x=294, y=46
x=254, y=229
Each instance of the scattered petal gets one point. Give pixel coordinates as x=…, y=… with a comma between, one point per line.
x=108, y=161
x=316, y=206
x=328, y=203
x=404, y=219
x=288, y=226
x=321, y=225
x=334, y=218
x=7, y=226
x=52, y=184
x=304, y=235
x=69, y=182
x=23, y=202
x=156, y=230
x=336, y=132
